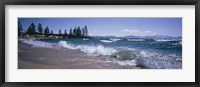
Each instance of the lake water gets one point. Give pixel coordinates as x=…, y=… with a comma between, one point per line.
x=152, y=53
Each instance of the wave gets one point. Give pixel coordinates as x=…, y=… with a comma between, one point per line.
x=92, y=50
x=96, y=50
x=110, y=40
x=165, y=40
x=36, y=43
x=135, y=39
x=115, y=39
x=64, y=44
x=123, y=55
x=106, y=41
x=127, y=62
x=85, y=39
x=155, y=60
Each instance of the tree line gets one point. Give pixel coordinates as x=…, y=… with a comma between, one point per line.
x=32, y=30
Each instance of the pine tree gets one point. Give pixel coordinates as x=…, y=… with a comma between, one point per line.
x=75, y=32
x=51, y=32
x=79, y=32
x=60, y=32
x=39, y=28
x=20, y=29
x=31, y=30
x=86, y=31
x=65, y=33
x=46, y=31
x=83, y=32
x=70, y=32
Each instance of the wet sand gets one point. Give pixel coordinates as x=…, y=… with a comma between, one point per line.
x=53, y=58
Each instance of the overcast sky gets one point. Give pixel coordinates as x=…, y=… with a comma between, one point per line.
x=112, y=26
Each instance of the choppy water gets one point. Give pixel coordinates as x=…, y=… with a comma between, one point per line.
x=150, y=53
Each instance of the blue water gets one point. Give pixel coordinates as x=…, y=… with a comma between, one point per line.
x=153, y=53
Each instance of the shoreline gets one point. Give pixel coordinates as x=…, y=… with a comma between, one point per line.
x=53, y=58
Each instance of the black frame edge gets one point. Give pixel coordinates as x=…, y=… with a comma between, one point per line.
x=98, y=2
x=2, y=44
x=102, y=2
x=197, y=36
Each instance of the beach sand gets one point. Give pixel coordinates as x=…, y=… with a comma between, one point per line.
x=61, y=58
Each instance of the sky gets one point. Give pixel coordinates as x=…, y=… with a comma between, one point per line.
x=112, y=26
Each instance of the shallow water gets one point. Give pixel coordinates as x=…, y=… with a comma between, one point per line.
x=159, y=53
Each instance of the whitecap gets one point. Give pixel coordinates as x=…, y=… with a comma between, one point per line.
x=158, y=61
x=96, y=50
x=127, y=62
x=135, y=39
x=106, y=41
x=163, y=40
x=115, y=39
x=36, y=43
x=85, y=39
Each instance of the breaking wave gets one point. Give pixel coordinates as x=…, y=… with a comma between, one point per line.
x=115, y=39
x=135, y=39
x=122, y=55
x=92, y=50
x=36, y=43
x=106, y=41
x=110, y=40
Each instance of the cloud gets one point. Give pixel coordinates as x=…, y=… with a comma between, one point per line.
x=138, y=32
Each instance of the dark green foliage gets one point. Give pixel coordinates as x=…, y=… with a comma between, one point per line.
x=60, y=32
x=65, y=33
x=77, y=32
x=31, y=30
x=70, y=32
x=85, y=31
x=20, y=29
x=46, y=31
x=39, y=28
x=51, y=32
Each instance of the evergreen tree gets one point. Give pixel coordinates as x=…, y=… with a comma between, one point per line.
x=20, y=29
x=65, y=33
x=75, y=32
x=31, y=30
x=86, y=31
x=79, y=32
x=83, y=32
x=51, y=32
x=46, y=31
x=60, y=32
x=39, y=28
x=70, y=32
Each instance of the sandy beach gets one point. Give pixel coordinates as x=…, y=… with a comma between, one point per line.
x=61, y=58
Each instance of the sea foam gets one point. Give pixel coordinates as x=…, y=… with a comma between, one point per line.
x=106, y=41
x=36, y=43
x=144, y=58
x=135, y=39
x=158, y=61
x=92, y=50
